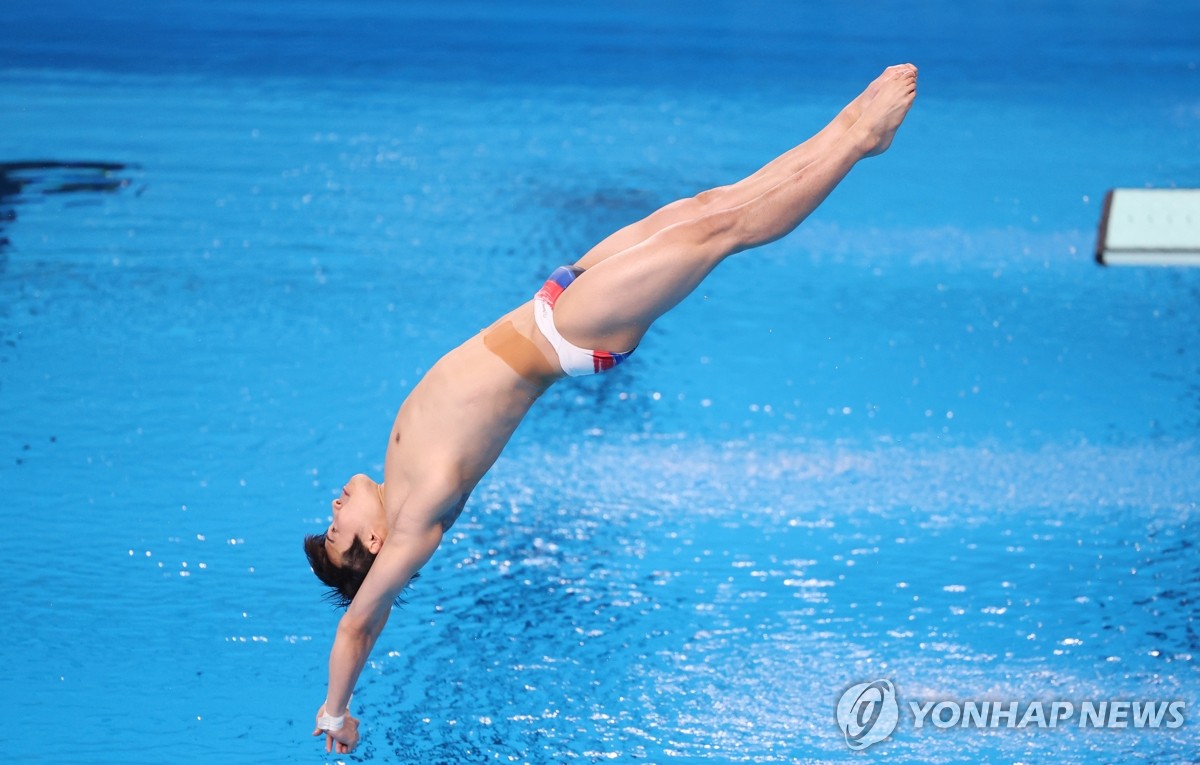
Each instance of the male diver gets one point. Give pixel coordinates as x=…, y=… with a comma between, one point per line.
x=588, y=317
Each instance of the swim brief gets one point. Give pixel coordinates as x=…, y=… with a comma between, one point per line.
x=574, y=360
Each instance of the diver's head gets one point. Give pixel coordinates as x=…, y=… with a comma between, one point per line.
x=342, y=556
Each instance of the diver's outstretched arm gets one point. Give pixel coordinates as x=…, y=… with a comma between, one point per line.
x=402, y=555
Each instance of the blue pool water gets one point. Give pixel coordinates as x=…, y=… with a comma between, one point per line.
x=925, y=438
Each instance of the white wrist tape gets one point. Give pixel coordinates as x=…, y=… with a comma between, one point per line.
x=326, y=721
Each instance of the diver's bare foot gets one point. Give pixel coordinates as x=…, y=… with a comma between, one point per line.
x=883, y=106
x=853, y=110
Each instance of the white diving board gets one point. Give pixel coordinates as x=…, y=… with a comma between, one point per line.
x=1150, y=227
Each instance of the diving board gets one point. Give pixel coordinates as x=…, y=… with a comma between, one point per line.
x=1150, y=227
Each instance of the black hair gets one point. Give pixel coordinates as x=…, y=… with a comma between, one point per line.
x=343, y=581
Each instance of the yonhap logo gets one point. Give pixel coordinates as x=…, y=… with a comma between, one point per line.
x=867, y=713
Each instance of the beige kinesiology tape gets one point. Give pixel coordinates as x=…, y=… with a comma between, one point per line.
x=518, y=352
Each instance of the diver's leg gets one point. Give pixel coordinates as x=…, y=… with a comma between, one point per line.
x=725, y=197
x=611, y=305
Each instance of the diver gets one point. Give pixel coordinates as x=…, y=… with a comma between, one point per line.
x=586, y=318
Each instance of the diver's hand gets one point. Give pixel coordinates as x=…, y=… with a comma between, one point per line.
x=340, y=741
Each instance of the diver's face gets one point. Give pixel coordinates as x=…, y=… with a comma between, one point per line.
x=357, y=513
